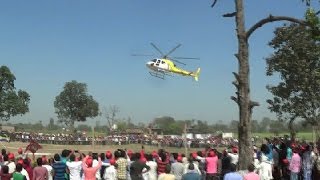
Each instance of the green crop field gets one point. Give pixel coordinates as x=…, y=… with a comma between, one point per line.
x=300, y=135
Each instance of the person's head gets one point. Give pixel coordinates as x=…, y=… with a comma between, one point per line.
x=72, y=157
x=251, y=168
x=65, y=153
x=149, y=157
x=5, y=169
x=103, y=156
x=168, y=169
x=117, y=154
x=137, y=156
x=265, y=149
x=18, y=167
x=56, y=157
x=89, y=162
x=39, y=161
x=108, y=155
x=233, y=167
x=3, y=152
x=95, y=156
x=191, y=166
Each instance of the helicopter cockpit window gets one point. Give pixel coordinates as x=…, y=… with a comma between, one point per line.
x=162, y=62
x=154, y=60
x=158, y=61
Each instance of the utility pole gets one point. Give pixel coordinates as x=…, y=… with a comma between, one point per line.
x=93, y=136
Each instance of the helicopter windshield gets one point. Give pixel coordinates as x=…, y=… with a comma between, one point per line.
x=154, y=60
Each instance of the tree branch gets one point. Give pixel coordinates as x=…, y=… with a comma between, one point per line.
x=235, y=99
x=272, y=19
x=253, y=104
x=236, y=76
x=229, y=14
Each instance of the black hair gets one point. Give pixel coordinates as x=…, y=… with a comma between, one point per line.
x=103, y=156
x=56, y=157
x=233, y=167
x=251, y=168
x=39, y=161
x=3, y=152
x=5, y=169
x=265, y=149
x=168, y=169
x=72, y=157
x=191, y=166
x=65, y=153
x=149, y=157
x=18, y=167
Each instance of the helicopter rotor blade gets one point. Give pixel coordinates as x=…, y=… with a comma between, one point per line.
x=179, y=62
x=142, y=55
x=157, y=49
x=186, y=58
x=172, y=50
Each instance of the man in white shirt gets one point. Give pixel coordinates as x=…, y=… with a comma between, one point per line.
x=110, y=172
x=74, y=167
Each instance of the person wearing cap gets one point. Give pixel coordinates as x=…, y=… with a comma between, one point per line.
x=167, y=175
x=110, y=173
x=212, y=165
x=295, y=165
x=177, y=167
x=10, y=163
x=137, y=168
x=234, y=156
x=89, y=170
x=45, y=163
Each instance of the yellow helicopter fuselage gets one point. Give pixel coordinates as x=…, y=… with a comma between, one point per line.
x=166, y=65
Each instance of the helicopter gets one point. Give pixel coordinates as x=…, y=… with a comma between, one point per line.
x=165, y=66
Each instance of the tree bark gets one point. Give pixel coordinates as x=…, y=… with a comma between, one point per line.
x=245, y=144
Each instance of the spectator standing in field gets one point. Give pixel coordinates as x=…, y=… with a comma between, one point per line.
x=4, y=173
x=251, y=175
x=110, y=172
x=177, y=168
x=191, y=174
x=17, y=174
x=162, y=161
x=225, y=164
x=59, y=168
x=45, y=163
x=232, y=175
x=307, y=162
x=88, y=170
x=152, y=173
x=39, y=172
x=74, y=167
x=122, y=164
x=137, y=167
x=295, y=165
x=166, y=175
x=212, y=166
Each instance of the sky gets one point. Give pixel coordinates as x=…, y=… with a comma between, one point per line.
x=48, y=43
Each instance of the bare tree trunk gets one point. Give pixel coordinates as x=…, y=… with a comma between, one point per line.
x=245, y=144
x=292, y=131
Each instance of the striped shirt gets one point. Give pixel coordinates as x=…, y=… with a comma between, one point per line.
x=59, y=169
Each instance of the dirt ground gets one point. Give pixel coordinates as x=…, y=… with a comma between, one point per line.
x=50, y=150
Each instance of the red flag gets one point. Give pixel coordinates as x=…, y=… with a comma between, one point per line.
x=33, y=146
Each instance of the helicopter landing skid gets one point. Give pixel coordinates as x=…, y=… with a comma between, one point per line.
x=160, y=75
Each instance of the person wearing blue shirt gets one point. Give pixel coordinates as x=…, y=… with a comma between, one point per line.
x=232, y=175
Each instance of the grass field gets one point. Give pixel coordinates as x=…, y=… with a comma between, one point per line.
x=300, y=135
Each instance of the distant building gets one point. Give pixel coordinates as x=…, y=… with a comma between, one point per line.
x=8, y=128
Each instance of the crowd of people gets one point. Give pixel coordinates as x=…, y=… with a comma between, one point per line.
x=274, y=159
x=121, y=139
